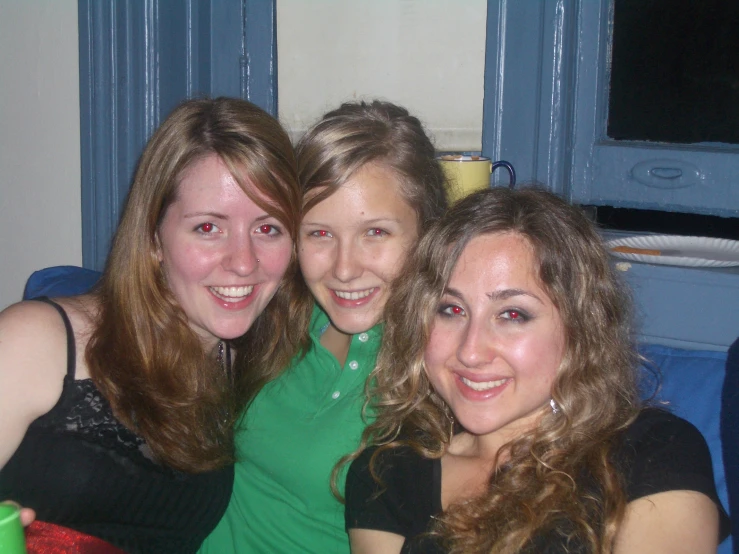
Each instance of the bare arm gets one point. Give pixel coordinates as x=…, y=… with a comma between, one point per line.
x=32, y=367
x=370, y=541
x=674, y=522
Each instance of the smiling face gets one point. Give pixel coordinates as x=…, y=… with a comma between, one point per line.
x=353, y=244
x=497, y=340
x=223, y=256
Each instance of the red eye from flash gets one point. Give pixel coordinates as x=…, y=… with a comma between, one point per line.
x=456, y=310
x=322, y=233
x=515, y=315
x=265, y=229
x=206, y=227
x=377, y=232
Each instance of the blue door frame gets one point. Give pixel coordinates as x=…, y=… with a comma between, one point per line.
x=138, y=60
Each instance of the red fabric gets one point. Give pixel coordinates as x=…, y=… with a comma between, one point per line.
x=47, y=538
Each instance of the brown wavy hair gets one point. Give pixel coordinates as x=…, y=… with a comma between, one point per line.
x=354, y=135
x=142, y=354
x=558, y=476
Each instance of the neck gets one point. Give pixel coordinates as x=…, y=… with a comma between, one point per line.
x=337, y=343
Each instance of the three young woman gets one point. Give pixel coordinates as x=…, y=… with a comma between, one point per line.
x=508, y=416
x=370, y=186
x=118, y=406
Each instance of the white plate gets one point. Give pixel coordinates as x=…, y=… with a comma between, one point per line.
x=684, y=251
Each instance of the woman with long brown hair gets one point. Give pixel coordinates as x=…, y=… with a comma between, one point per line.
x=118, y=406
x=508, y=411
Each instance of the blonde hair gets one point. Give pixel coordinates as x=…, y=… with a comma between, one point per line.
x=559, y=476
x=142, y=354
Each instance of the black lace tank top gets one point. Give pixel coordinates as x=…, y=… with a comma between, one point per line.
x=79, y=467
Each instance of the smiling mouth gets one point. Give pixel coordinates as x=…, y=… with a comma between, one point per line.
x=231, y=294
x=484, y=385
x=355, y=295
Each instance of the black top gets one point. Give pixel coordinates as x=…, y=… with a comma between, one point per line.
x=659, y=452
x=79, y=467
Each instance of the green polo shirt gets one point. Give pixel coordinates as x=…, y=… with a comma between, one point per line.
x=294, y=432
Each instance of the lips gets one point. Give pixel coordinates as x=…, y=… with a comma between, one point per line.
x=231, y=294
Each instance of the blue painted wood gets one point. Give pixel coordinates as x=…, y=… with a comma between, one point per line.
x=526, y=108
x=686, y=307
x=605, y=172
x=138, y=60
x=259, y=67
x=113, y=118
x=545, y=111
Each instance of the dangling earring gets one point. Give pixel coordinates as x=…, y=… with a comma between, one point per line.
x=555, y=408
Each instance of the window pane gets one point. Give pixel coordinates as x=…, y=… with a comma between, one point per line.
x=675, y=71
x=427, y=55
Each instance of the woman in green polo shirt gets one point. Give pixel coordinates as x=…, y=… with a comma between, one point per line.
x=370, y=186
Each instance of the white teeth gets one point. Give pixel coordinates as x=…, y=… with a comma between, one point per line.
x=486, y=385
x=232, y=294
x=354, y=295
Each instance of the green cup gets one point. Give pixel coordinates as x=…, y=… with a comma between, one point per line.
x=12, y=539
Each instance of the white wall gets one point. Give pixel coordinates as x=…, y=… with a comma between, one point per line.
x=40, y=211
x=427, y=55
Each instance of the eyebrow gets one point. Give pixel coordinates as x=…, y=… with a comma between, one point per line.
x=375, y=221
x=218, y=215
x=498, y=295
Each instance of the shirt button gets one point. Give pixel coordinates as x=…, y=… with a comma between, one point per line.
x=353, y=364
x=335, y=395
x=364, y=337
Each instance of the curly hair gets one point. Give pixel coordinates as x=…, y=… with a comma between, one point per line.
x=142, y=354
x=359, y=133
x=558, y=476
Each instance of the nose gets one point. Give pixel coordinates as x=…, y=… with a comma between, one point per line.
x=347, y=264
x=476, y=347
x=240, y=256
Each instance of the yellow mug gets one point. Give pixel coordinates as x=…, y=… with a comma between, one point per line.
x=465, y=175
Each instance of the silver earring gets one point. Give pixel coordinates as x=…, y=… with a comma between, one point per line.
x=555, y=408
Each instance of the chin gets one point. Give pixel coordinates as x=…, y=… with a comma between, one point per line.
x=354, y=327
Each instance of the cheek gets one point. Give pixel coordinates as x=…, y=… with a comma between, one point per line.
x=389, y=262
x=182, y=263
x=314, y=262
x=538, y=356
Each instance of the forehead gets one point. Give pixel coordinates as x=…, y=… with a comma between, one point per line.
x=209, y=177
x=372, y=191
x=498, y=260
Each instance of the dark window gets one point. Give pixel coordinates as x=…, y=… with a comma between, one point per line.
x=675, y=71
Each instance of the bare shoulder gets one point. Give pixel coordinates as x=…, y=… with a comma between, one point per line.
x=33, y=362
x=33, y=345
x=671, y=522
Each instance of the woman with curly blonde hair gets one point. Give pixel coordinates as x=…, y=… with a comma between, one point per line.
x=508, y=410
